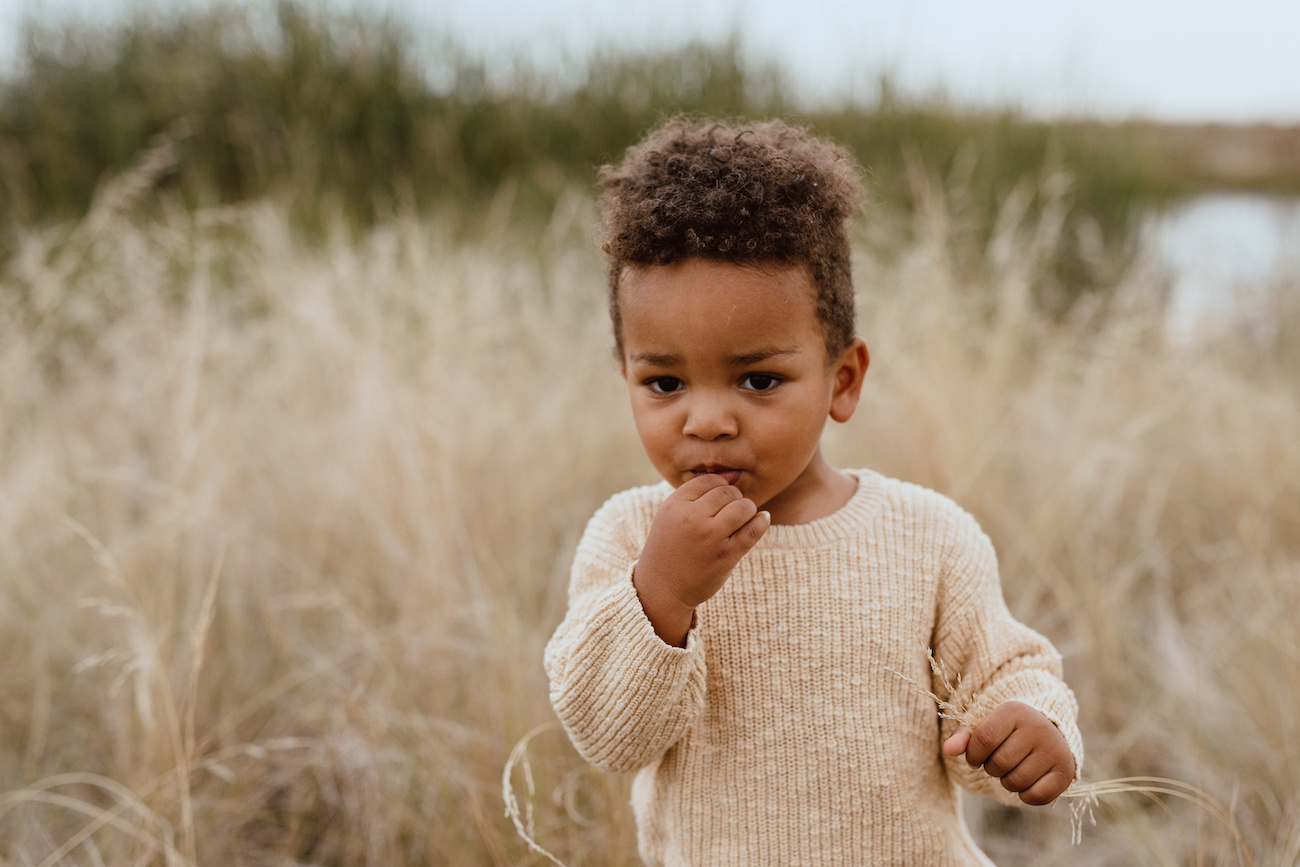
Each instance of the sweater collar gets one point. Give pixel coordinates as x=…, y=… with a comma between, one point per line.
x=847, y=520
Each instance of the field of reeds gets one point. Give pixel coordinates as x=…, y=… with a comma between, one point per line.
x=334, y=113
x=306, y=395
x=284, y=527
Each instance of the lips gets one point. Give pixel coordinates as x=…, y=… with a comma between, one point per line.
x=730, y=474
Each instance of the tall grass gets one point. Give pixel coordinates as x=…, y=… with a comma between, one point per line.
x=284, y=528
x=326, y=111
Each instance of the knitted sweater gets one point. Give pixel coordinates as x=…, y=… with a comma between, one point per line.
x=779, y=735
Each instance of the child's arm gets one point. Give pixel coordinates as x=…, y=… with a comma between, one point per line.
x=1006, y=668
x=1022, y=748
x=697, y=538
x=623, y=693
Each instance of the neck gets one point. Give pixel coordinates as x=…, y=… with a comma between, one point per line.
x=819, y=491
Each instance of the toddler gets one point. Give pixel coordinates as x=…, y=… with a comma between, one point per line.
x=736, y=633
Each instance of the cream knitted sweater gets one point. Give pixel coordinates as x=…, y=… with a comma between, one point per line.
x=779, y=735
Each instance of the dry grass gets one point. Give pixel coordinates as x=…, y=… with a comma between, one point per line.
x=283, y=532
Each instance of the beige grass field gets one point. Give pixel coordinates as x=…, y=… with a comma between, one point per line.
x=284, y=529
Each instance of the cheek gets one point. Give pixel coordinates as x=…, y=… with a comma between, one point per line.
x=796, y=433
x=655, y=430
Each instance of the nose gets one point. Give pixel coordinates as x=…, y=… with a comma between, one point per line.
x=709, y=417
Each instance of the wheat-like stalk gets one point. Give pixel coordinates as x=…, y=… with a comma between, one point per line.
x=960, y=704
x=1084, y=796
x=265, y=507
x=524, y=825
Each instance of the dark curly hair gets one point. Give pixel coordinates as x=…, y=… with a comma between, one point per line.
x=755, y=194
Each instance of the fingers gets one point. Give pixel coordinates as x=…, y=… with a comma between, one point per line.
x=742, y=522
x=737, y=515
x=699, y=534
x=1048, y=788
x=704, y=528
x=999, y=753
x=749, y=534
x=956, y=744
x=714, y=500
x=992, y=731
x=1023, y=749
x=1021, y=775
x=697, y=487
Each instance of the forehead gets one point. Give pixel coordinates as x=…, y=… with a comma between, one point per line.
x=721, y=302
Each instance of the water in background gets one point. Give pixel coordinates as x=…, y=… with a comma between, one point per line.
x=1222, y=248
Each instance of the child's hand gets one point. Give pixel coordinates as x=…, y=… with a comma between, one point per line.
x=1022, y=748
x=701, y=532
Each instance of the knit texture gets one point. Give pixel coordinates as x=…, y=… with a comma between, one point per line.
x=778, y=735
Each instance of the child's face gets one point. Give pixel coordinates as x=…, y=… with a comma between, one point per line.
x=727, y=370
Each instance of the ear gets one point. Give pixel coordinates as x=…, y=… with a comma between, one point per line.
x=849, y=370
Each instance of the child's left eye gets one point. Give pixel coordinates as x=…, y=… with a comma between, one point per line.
x=664, y=384
x=760, y=382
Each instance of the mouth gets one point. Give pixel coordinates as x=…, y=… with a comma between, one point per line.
x=730, y=474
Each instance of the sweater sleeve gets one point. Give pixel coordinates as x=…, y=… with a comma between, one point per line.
x=998, y=658
x=622, y=694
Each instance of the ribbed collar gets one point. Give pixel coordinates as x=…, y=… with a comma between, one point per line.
x=845, y=521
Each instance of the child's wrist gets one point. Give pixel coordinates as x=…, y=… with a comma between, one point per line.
x=670, y=617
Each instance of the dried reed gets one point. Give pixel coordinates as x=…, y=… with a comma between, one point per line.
x=267, y=510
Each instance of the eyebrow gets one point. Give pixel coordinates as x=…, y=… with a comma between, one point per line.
x=655, y=359
x=763, y=353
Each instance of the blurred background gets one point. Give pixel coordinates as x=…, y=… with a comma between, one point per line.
x=1177, y=122
x=305, y=398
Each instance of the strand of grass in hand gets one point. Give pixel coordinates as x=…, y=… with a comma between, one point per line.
x=1083, y=795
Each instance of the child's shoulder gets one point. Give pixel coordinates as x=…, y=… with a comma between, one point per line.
x=633, y=507
x=923, y=508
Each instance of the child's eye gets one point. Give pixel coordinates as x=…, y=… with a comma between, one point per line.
x=664, y=384
x=759, y=382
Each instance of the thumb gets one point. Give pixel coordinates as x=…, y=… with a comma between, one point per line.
x=957, y=743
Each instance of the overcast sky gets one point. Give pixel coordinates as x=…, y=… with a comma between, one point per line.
x=1179, y=59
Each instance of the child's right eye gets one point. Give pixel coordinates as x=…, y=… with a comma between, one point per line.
x=664, y=384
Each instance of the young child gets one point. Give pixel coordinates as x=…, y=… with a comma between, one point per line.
x=736, y=633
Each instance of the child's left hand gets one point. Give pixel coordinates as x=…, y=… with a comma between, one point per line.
x=1022, y=748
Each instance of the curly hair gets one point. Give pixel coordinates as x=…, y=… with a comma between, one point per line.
x=762, y=193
